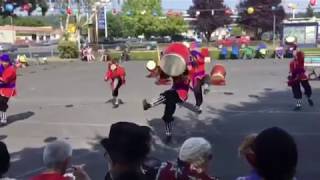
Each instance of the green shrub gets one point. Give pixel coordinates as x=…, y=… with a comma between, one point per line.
x=68, y=49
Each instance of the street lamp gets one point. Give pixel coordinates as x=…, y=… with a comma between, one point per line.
x=274, y=8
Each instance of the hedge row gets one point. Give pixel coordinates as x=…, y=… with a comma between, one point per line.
x=152, y=55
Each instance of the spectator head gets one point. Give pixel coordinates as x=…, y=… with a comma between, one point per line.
x=196, y=151
x=128, y=144
x=246, y=149
x=57, y=155
x=5, y=59
x=275, y=154
x=4, y=159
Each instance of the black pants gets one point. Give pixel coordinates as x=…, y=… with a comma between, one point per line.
x=296, y=89
x=197, y=89
x=117, y=85
x=3, y=103
x=171, y=99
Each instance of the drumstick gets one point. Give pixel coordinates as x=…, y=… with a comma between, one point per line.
x=158, y=53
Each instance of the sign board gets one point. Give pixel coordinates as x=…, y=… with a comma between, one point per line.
x=101, y=19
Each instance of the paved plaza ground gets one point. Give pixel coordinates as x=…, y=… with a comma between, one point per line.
x=68, y=100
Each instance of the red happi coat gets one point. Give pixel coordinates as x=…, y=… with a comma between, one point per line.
x=119, y=72
x=8, y=82
x=197, y=70
x=181, y=171
x=181, y=86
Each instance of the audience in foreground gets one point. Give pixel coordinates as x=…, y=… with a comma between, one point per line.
x=194, y=158
x=272, y=154
x=57, y=158
x=127, y=148
x=4, y=161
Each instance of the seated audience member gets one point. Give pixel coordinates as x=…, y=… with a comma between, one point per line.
x=127, y=148
x=57, y=158
x=4, y=161
x=274, y=156
x=194, y=157
x=246, y=151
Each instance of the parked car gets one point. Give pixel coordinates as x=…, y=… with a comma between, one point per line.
x=140, y=43
x=7, y=47
x=165, y=39
x=241, y=41
x=116, y=44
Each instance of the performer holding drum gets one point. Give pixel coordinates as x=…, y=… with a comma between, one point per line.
x=173, y=63
x=117, y=75
x=7, y=85
x=198, y=77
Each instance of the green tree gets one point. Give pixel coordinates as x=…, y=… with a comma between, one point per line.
x=261, y=20
x=172, y=25
x=206, y=21
x=141, y=17
x=115, y=25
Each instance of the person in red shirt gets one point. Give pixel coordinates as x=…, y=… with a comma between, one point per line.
x=7, y=85
x=57, y=158
x=298, y=78
x=178, y=93
x=117, y=75
x=193, y=162
x=198, y=77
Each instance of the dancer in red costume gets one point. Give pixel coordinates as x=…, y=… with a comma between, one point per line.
x=178, y=93
x=117, y=75
x=198, y=77
x=7, y=85
x=298, y=78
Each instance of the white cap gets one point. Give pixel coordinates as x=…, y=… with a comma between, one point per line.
x=195, y=150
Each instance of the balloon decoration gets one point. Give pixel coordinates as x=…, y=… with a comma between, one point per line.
x=9, y=7
x=26, y=7
x=313, y=2
x=250, y=10
x=69, y=11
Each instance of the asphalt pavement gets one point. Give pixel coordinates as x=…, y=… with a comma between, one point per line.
x=69, y=100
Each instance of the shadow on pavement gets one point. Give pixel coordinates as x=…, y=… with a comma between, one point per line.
x=223, y=127
x=28, y=161
x=226, y=127
x=18, y=117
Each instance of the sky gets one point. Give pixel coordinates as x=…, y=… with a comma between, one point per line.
x=185, y=4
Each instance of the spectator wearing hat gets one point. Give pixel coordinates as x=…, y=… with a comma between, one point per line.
x=194, y=157
x=56, y=157
x=7, y=85
x=4, y=161
x=127, y=148
x=274, y=156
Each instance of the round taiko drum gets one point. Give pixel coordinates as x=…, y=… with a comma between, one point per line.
x=175, y=59
x=151, y=65
x=218, y=75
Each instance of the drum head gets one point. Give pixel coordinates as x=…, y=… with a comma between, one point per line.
x=151, y=65
x=217, y=77
x=290, y=39
x=173, y=64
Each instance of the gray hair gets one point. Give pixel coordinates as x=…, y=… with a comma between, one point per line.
x=195, y=150
x=56, y=153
